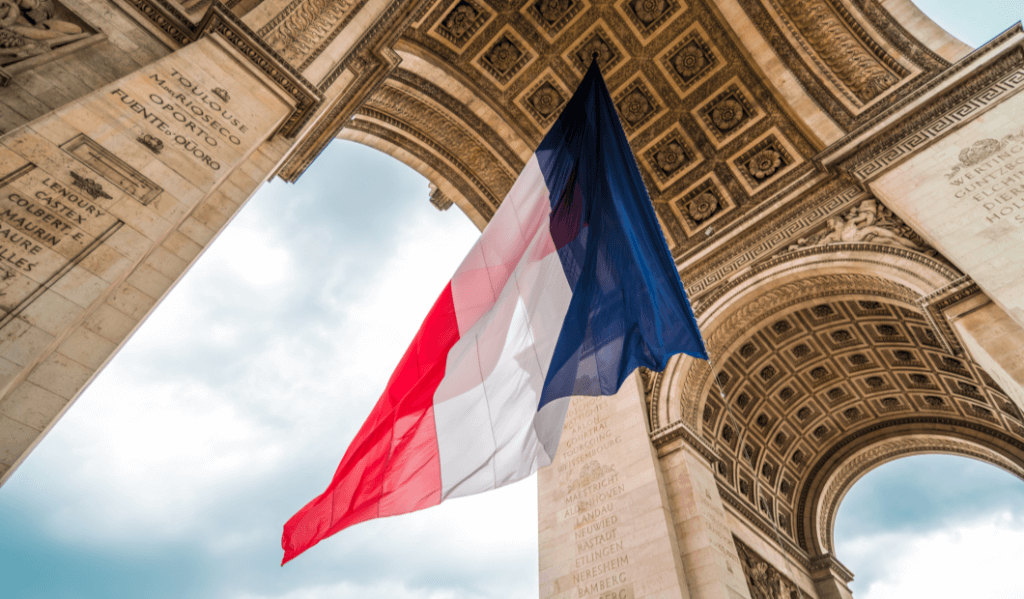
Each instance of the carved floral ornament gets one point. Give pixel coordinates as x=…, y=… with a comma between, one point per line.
x=690, y=61
x=29, y=28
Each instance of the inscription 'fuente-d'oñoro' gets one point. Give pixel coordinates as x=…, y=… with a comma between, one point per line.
x=991, y=175
x=194, y=119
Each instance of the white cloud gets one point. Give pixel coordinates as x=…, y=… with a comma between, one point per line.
x=211, y=418
x=965, y=559
x=377, y=590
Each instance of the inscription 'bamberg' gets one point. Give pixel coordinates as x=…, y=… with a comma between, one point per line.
x=591, y=494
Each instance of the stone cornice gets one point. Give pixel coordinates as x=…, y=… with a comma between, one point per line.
x=175, y=24
x=979, y=81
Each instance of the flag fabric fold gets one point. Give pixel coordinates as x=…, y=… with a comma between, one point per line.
x=569, y=289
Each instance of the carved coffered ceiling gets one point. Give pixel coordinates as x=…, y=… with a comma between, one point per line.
x=716, y=141
x=812, y=382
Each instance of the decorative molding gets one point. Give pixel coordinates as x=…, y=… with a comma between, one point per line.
x=304, y=29
x=943, y=426
x=844, y=476
x=169, y=19
x=117, y=171
x=935, y=303
x=678, y=430
x=771, y=236
x=927, y=124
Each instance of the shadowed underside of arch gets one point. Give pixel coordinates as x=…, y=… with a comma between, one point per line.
x=824, y=367
x=724, y=102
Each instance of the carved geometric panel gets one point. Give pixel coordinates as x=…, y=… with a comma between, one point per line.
x=553, y=16
x=728, y=113
x=764, y=160
x=647, y=16
x=504, y=56
x=460, y=23
x=545, y=98
x=691, y=60
x=670, y=156
x=702, y=205
x=597, y=40
x=637, y=104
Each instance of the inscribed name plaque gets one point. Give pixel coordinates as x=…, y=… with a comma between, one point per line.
x=965, y=194
x=48, y=224
x=140, y=153
x=603, y=527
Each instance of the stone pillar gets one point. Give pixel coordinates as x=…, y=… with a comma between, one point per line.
x=964, y=193
x=830, y=578
x=994, y=340
x=104, y=203
x=713, y=568
x=605, y=528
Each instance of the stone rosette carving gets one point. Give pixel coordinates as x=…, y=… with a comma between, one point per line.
x=649, y=15
x=544, y=99
x=727, y=113
x=461, y=22
x=597, y=43
x=503, y=59
x=553, y=15
x=690, y=61
x=31, y=28
x=701, y=206
x=868, y=222
x=636, y=105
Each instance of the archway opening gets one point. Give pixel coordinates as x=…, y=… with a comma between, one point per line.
x=933, y=526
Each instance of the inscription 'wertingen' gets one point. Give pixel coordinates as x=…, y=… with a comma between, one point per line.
x=991, y=175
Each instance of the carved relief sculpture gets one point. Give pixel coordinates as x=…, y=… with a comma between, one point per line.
x=869, y=222
x=30, y=28
x=763, y=579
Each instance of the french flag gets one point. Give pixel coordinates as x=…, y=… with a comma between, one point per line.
x=568, y=290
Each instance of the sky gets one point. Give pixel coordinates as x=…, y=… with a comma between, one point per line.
x=172, y=474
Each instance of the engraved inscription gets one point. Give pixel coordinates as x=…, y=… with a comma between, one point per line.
x=47, y=225
x=599, y=569
x=192, y=119
x=990, y=175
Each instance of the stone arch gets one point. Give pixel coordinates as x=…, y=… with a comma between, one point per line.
x=853, y=269
x=874, y=451
x=821, y=354
x=428, y=115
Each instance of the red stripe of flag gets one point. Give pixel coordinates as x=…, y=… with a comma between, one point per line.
x=392, y=466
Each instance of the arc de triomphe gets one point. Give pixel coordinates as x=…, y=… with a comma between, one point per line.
x=840, y=181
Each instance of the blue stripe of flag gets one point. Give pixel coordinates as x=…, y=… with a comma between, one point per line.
x=628, y=307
